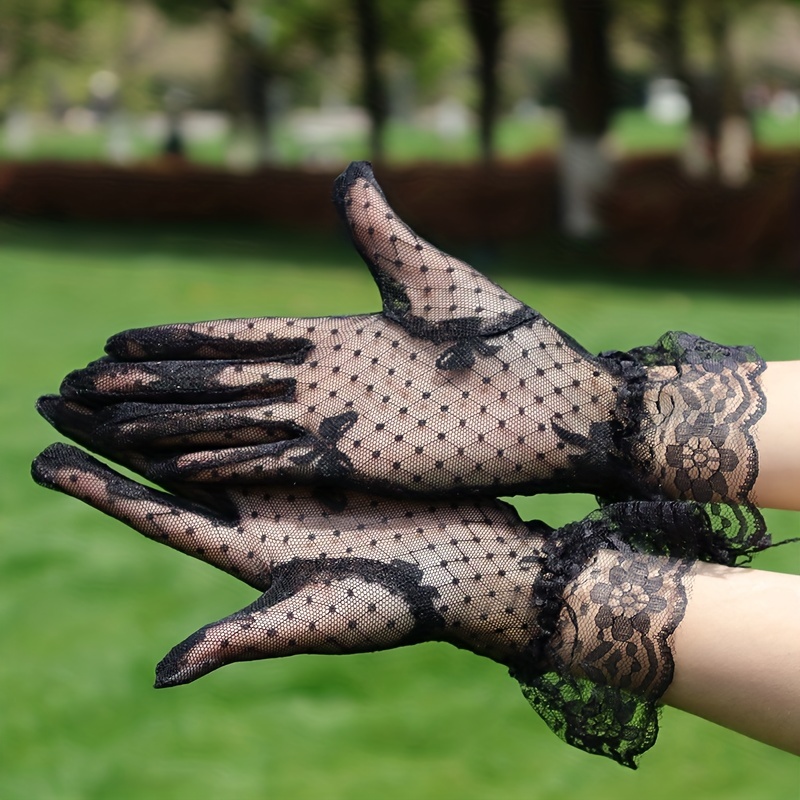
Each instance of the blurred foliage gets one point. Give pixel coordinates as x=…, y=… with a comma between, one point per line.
x=428, y=52
x=421, y=38
x=34, y=30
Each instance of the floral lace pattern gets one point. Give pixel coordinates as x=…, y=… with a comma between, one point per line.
x=701, y=402
x=588, y=636
x=618, y=616
x=326, y=463
x=609, y=658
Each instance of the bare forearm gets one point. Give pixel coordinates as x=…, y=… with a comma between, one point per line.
x=737, y=653
x=778, y=438
x=737, y=650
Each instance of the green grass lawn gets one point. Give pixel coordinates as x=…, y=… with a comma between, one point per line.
x=87, y=606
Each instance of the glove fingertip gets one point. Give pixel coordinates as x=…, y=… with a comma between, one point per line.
x=184, y=664
x=78, y=382
x=122, y=345
x=355, y=171
x=54, y=458
x=47, y=406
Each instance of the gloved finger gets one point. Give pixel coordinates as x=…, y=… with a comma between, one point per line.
x=79, y=423
x=302, y=459
x=429, y=292
x=176, y=522
x=149, y=427
x=108, y=381
x=276, y=339
x=287, y=340
x=331, y=606
x=306, y=456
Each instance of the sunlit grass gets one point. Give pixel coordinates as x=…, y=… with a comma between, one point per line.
x=87, y=606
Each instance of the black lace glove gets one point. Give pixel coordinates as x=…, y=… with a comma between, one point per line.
x=582, y=621
x=728, y=533
x=456, y=387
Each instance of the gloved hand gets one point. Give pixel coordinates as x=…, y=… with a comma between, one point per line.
x=728, y=531
x=455, y=388
x=582, y=621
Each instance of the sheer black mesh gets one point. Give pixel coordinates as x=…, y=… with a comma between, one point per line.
x=580, y=619
x=455, y=388
x=337, y=465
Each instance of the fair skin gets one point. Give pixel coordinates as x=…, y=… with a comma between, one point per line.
x=778, y=438
x=742, y=670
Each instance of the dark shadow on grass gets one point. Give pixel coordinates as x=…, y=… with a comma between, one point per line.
x=552, y=258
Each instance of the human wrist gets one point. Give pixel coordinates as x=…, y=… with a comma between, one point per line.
x=778, y=436
x=700, y=402
x=618, y=620
x=606, y=615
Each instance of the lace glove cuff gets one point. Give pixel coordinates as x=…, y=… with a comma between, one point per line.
x=688, y=412
x=610, y=599
x=700, y=402
x=610, y=658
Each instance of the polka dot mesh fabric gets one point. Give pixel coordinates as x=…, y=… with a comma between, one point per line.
x=455, y=388
x=346, y=468
x=345, y=572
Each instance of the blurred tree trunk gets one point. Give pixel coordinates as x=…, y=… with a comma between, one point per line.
x=734, y=139
x=670, y=41
x=252, y=75
x=585, y=167
x=486, y=25
x=720, y=136
x=370, y=47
